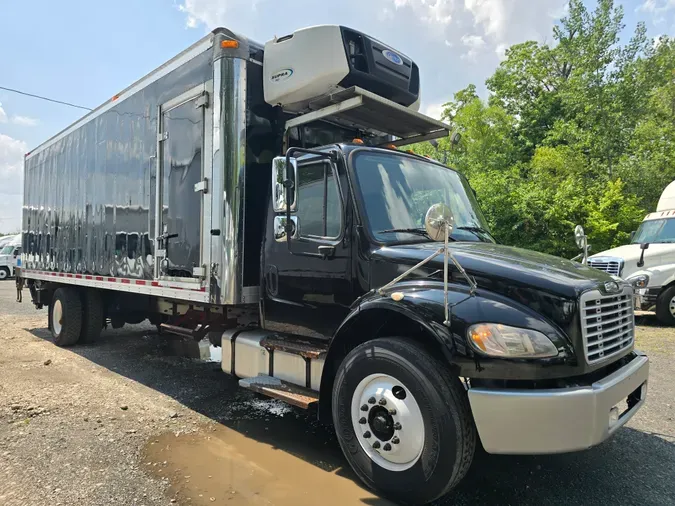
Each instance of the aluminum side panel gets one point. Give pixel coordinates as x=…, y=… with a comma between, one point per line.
x=89, y=194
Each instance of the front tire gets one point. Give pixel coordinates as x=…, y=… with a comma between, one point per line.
x=665, y=306
x=402, y=420
x=65, y=316
x=4, y=273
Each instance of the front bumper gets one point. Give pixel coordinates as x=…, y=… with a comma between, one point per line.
x=645, y=298
x=511, y=421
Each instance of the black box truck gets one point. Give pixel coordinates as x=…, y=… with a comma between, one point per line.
x=256, y=195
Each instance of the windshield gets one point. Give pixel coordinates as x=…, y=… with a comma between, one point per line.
x=655, y=231
x=398, y=190
x=7, y=250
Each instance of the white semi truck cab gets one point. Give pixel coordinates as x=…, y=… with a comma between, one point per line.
x=10, y=254
x=648, y=262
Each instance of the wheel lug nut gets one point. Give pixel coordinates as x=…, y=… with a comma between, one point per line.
x=383, y=401
x=376, y=445
x=366, y=434
x=396, y=440
x=362, y=420
x=387, y=447
x=397, y=426
x=371, y=400
x=364, y=407
x=392, y=411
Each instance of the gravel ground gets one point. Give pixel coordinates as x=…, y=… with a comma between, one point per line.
x=128, y=420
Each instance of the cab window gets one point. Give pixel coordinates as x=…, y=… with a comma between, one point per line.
x=319, y=206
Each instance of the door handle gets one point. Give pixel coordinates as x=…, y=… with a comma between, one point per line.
x=327, y=251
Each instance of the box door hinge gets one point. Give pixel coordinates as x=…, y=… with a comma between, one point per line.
x=202, y=186
x=202, y=101
x=162, y=136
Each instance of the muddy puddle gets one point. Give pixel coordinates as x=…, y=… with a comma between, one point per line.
x=224, y=467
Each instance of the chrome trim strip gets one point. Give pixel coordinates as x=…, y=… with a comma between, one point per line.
x=233, y=155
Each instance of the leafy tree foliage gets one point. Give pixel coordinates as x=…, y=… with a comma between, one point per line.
x=581, y=131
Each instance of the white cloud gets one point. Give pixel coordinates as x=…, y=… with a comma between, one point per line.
x=213, y=13
x=434, y=110
x=433, y=11
x=500, y=51
x=3, y=115
x=11, y=182
x=657, y=6
x=24, y=121
x=498, y=23
x=474, y=44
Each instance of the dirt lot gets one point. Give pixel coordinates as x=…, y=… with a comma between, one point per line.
x=131, y=420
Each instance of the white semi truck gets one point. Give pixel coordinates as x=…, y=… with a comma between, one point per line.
x=255, y=194
x=648, y=262
x=10, y=255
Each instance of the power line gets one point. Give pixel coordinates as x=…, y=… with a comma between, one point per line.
x=45, y=98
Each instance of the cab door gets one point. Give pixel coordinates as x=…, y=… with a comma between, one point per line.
x=308, y=288
x=184, y=169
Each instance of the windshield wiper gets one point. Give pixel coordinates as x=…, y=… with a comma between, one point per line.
x=475, y=228
x=416, y=231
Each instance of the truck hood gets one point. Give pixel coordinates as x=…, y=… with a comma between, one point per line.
x=494, y=266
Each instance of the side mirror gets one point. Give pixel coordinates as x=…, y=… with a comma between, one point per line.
x=281, y=179
x=280, y=228
x=632, y=235
x=439, y=222
x=643, y=247
x=582, y=243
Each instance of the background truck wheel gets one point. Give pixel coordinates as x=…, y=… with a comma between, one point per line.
x=92, y=316
x=65, y=316
x=665, y=306
x=4, y=272
x=402, y=420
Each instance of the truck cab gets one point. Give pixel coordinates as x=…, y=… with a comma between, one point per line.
x=10, y=256
x=648, y=261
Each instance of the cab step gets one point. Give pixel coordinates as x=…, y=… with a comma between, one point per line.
x=305, y=347
x=282, y=390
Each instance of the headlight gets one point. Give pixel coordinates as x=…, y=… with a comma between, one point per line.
x=498, y=340
x=640, y=281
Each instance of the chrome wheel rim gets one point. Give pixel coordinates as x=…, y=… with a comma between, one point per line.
x=57, y=317
x=672, y=306
x=387, y=422
x=3, y=274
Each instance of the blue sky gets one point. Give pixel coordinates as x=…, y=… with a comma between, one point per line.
x=84, y=51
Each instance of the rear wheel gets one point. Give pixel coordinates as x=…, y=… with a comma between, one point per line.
x=92, y=316
x=402, y=420
x=65, y=316
x=665, y=306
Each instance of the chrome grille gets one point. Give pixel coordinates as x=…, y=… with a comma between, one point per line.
x=609, y=265
x=607, y=324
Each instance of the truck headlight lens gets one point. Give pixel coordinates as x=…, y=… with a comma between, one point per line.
x=498, y=340
x=640, y=281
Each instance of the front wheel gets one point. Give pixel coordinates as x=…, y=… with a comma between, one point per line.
x=665, y=306
x=4, y=272
x=402, y=420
